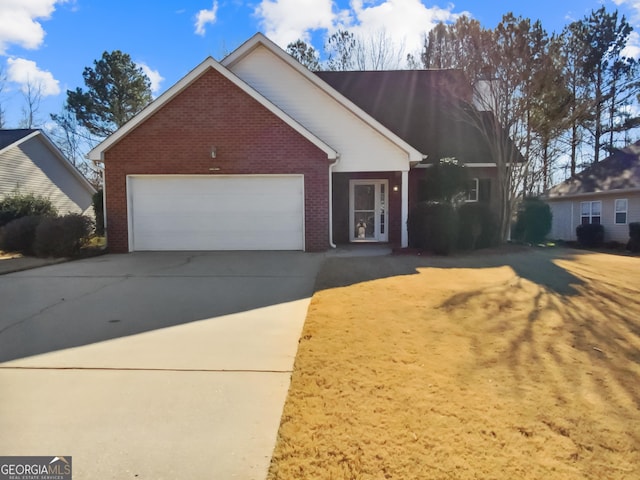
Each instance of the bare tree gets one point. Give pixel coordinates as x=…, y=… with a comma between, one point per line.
x=32, y=93
x=3, y=79
x=378, y=51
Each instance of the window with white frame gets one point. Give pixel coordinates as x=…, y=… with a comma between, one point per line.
x=621, y=211
x=590, y=212
x=472, y=190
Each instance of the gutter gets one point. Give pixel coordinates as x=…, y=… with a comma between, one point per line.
x=331, y=167
x=620, y=191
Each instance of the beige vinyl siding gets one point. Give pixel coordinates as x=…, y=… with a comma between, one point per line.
x=565, y=220
x=31, y=167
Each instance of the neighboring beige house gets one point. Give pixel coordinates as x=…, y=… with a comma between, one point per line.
x=31, y=163
x=607, y=193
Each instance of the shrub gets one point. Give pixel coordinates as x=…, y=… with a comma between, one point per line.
x=433, y=227
x=533, y=222
x=18, y=235
x=445, y=181
x=62, y=236
x=590, y=235
x=634, y=237
x=98, y=210
x=17, y=205
x=478, y=226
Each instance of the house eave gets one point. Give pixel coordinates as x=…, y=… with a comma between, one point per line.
x=97, y=153
x=619, y=191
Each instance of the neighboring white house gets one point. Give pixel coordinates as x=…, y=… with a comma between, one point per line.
x=607, y=193
x=31, y=163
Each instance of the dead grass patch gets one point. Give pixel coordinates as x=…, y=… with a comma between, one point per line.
x=524, y=365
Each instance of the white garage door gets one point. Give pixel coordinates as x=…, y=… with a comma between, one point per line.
x=216, y=213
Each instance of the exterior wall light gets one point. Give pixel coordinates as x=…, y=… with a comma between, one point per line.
x=214, y=152
x=396, y=188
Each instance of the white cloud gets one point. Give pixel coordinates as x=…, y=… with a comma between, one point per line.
x=205, y=17
x=154, y=76
x=25, y=72
x=285, y=21
x=19, y=25
x=634, y=7
x=405, y=21
x=632, y=50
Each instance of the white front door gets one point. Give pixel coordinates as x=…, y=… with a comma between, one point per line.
x=368, y=210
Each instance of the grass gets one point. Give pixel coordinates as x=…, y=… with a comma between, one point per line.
x=521, y=365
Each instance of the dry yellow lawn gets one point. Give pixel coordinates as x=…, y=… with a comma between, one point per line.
x=516, y=365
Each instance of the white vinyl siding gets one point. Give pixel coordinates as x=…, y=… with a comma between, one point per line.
x=361, y=147
x=227, y=212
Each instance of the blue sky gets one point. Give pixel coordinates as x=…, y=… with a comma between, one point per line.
x=50, y=42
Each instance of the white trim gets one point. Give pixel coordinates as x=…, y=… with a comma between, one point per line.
x=404, y=232
x=379, y=237
x=591, y=215
x=477, y=189
x=260, y=39
x=97, y=153
x=332, y=244
x=129, y=195
x=467, y=165
x=616, y=212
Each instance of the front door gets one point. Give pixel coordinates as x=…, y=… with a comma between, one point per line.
x=368, y=212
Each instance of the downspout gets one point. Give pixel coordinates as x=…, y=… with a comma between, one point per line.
x=331, y=167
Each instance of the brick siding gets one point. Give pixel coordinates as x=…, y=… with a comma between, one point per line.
x=177, y=139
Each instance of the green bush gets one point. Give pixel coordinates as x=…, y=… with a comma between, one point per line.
x=98, y=210
x=478, y=226
x=533, y=222
x=634, y=237
x=17, y=205
x=18, y=235
x=590, y=235
x=62, y=236
x=433, y=227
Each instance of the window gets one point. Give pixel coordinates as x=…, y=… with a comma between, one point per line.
x=590, y=212
x=472, y=191
x=621, y=211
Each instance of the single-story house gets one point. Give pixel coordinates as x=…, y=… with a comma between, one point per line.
x=258, y=152
x=607, y=193
x=31, y=163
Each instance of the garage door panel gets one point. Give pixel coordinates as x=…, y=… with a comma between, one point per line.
x=217, y=213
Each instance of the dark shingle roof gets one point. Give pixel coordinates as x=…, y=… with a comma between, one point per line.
x=413, y=105
x=7, y=137
x=620, y=171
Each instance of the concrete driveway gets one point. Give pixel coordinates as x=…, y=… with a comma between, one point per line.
x=152, y=365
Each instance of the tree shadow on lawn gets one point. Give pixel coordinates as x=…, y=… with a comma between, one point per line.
x=534, y=265
x=541, y=323
x=582, y=343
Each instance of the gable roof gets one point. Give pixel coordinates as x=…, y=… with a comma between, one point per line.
x=259, y=39
x=413, y=104
x=618, y=172
x=9, y=137
x=14, y=138
x=97, y=152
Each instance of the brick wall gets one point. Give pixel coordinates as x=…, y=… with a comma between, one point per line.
x=249, y=139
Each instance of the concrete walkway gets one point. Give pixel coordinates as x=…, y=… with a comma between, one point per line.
x=152, y=365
